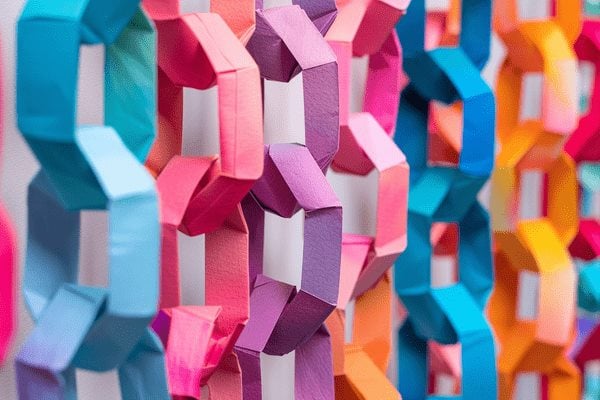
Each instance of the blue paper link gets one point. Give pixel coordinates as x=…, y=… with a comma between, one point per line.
x=444, y=194
x=89, y=167
x=475, y=33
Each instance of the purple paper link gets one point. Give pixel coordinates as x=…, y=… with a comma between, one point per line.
x=307, y=184
x=279, y=48
x=322, y=255
x=322, y=242
x=255, y=219
x=299, y=321
x=43, y=364
x=273, y=193
x=320, y=79
x=314, y=368
x=321, y=12
x=251, y=377
x=319, y=289
x=274, y=59
x=267, y=301
x=321, y=112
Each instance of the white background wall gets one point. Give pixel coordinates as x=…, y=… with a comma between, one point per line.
x=284, y=123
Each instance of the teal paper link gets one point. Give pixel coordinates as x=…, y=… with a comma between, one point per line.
x=588, y=290
x=50, y=34
x=455, y=313
x=89, y=168
x=592, y=387
x=592, y=7
x=86, y=327
x=446, y=74
x=475, y=33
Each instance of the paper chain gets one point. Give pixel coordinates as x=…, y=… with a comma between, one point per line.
x=365, y=145
x=583, y=146
x=439, y=117
x=446, y=194
x=89, y=167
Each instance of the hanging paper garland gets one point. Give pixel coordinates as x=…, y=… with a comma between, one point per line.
x=536, y=245
x=89, y=167
x=365, y=145
x=448, y=194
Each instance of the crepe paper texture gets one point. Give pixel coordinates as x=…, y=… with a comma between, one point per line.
x=89, y=168
x=283, y=318
x=8, y=265
x=538, y=245
x=446, y=194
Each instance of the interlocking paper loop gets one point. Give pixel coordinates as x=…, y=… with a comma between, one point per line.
x=201, y=195
x=284, y=319
x=583, y=147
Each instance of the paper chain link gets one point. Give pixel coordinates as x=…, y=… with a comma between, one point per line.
x=365, y=144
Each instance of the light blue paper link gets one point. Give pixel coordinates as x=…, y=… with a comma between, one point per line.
x=126, y=307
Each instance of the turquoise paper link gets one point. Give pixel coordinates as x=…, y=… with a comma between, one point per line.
x=443, y=194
